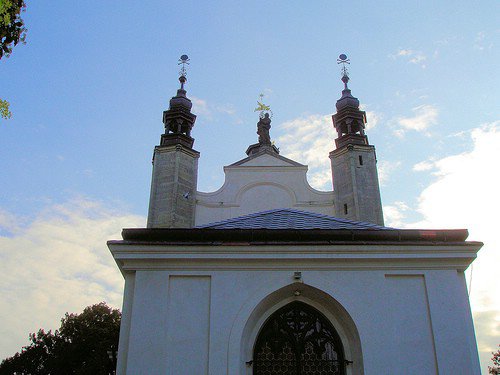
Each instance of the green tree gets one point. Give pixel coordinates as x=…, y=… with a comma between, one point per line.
x=12, y=30
x=4, y=109
x=79, y=346
x=495, y=369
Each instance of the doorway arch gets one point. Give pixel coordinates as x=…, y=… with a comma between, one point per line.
x=298, y=340
x=257, y=310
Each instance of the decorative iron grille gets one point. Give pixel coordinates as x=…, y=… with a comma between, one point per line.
x=298, y=340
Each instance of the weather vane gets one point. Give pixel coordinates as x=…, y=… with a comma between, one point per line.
x=345, y=74
x=344, y=60
x=184, y=60
x=263, y=108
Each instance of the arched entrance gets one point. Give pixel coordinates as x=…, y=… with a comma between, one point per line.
x=298, y=340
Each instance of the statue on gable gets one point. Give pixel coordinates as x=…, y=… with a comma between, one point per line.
x=263, y=127
x=264, y=124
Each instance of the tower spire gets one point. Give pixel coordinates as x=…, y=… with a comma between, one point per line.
x=178, y=119
x=354, y=163
x=172, y=202
x=349, y=121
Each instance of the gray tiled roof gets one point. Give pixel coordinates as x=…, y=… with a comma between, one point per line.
x=287, y=218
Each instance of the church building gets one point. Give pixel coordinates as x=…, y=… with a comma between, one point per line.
x=270, y=276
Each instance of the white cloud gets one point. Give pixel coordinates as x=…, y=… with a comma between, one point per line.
x=385, y=168
x=404, y=52
x=479, y=41
x=487, y=321
x=424, y=116
x=465, y=195
x=445, y=41
x=57, y=262
x=209, y=111
x=417, y=59
x=310, y=139
x=412, y=56
x=200, y=107
x=372, y=117
x=88, y=172
x=228, y=109
x=423, y=166
x=8, y=222
x=482, y=42
x=394, y=214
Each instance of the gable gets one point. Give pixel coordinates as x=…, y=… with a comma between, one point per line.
x=266, y=159
x=262, y=181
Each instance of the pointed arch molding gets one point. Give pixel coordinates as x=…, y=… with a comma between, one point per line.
x=255, y=313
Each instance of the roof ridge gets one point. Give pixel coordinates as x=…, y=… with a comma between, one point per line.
x=290, y=218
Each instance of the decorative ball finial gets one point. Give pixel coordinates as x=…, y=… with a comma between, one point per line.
x=345, y=74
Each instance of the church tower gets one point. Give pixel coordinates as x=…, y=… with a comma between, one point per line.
x=175, y=165
x=354, y=162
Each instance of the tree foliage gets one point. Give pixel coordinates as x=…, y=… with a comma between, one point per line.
x=12, y=30
x=79, y=346
x=4, y=109
x=495, y=369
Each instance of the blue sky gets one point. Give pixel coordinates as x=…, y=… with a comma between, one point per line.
x=88, y=89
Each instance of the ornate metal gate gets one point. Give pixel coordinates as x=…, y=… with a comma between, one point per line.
x=298, y=340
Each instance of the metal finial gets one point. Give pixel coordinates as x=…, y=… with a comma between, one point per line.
x=184, y=60
x=345, y=74
x=263, y=108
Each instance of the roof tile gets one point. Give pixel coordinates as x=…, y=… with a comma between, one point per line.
x=287, y=218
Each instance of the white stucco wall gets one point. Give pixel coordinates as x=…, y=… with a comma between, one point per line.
x=397, y=309
x=259, y=183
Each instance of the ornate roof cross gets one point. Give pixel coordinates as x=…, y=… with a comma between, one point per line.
x=345, y=74
x=184, y=60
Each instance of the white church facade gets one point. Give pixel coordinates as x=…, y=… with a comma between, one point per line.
x=269, y=276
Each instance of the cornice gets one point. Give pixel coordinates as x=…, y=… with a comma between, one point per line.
x=177, y=147
x=341, y=256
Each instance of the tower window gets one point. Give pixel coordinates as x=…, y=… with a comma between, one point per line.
x=360, y=160
x=345, y=208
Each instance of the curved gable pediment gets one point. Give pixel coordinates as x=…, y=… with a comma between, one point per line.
x=261, y=182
